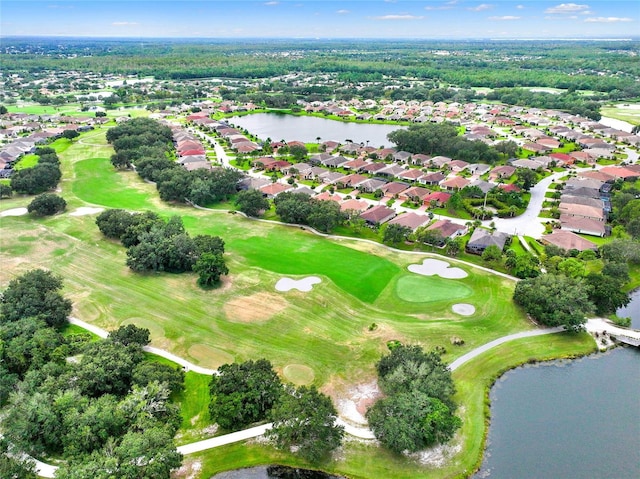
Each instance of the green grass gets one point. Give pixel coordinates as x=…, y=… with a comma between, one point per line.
x=27, y=161
x=629, y=115
x=416, y=288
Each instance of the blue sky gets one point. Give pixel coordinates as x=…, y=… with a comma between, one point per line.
x=448, y=19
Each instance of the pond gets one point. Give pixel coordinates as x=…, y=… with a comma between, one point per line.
x=308, y=128
x=274, y=472
x=568, y=419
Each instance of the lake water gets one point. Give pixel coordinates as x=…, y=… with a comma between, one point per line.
x=308, y=128
x=568, y=419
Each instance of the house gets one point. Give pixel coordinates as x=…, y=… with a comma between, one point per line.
x=274, y=189
x=351, y=181
x=509, y=188
x=622, y=172
x=410, y=220
x=458, y=165
x=484, y=186
x=197, y=165
x=393, y=189
x=314, y=173
x=334, y=161
x=253, y=183
x=416, y=194
x=439, y=161
x=391, y=171
x=402, y=156
x=502, y=172
x=369, y=186
x=481, y=239
x=355, y=165
x=438, y=198
x=354, y=205
x=455, y=183
x=411, y=174
x=327, y=196
x=373, y=168
x=582, y=211
x=581, y=200
x=319, y=158
x=582, y=225
x=536, y=147
x=529, y=164
x=478, y=169
x=420, y=159
x=378, y=214
x=448, y=229
x=330, y=177
x=432, y=178
x=568, y=241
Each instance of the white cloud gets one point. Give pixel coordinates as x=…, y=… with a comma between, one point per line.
x=505, y=18
x=270, y=4
x=343, y=12
x=442, y=7
x=481, y=7
x=567, y=8
x=520, y=7
x=608, y=19
x=121, y=24
x=586, y=12
x=399, y=17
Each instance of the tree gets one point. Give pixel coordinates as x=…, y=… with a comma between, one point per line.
x=243, y=393
x=130, y=334
x=526, y=178
x=525, y=266
x=115, y=222
x=433, y=237
x=394, y=234
x=621, y=251
x=411, y=421
x=70, y=134
x=147, y=372
x=298, y=152
x=5, y=191
x=32, y=181
x=572, y=267
x=209, y=268
x=491, y=253
x=618, y=271
x=453, y=246
x=305, y=419
x=107, y=368
x=209, y=244
x=555, y=300
x=606, y=293
x=47, y=204
x=252, y=202
x=35, y=294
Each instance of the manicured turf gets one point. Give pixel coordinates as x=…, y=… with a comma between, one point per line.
x=97, y=184
x=425, y=289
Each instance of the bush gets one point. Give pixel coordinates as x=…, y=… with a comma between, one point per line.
x=47, y=204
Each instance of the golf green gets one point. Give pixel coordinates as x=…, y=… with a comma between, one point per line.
x=426, y=289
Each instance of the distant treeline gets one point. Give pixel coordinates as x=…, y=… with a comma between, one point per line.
x=606, y=67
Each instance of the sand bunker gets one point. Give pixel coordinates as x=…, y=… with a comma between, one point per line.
x=14, y=212
x=86, y=210
x=304, y=284
x=464, y=309
x=358, y=400
x=430, y=267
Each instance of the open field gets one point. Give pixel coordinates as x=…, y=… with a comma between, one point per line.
x=625, y=112
x=322, y=336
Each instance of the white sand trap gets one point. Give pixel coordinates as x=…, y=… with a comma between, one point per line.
x=304, y=284
x=430, y=266
x=86, y=210
x=14, y=212
x=464, y=309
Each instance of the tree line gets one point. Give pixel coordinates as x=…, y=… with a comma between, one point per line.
x=99, y=405
x=147, y=145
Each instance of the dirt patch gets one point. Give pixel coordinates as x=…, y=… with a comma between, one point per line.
x=255, y=308
x=298, y=374
x=86, y=210
x=190, y=469
x=353, y=405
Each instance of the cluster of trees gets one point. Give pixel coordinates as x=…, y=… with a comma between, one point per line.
x=154, y=244
x=626, y=211
x=442, y=139
x=252, y=202
x=568, y=293
x=418, y=410
x=250, y=392
x=299, y=208
x=44, y=176
x=569, y=101
x=106, y=411
x=148, y=145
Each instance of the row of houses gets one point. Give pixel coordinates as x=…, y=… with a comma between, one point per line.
x=190, y=151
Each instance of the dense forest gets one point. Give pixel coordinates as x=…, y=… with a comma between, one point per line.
x=609, y=67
